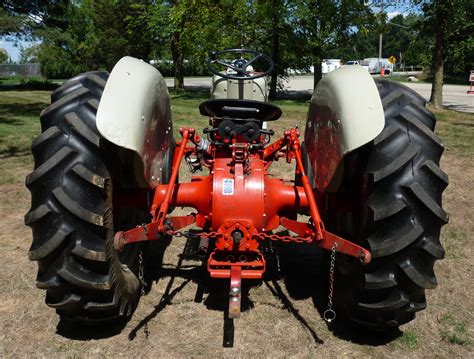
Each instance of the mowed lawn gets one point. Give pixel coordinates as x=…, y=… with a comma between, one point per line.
x=444, y=329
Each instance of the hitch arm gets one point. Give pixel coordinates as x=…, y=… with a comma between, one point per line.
x=163, y=210
x=150, y=231
x=329, y=239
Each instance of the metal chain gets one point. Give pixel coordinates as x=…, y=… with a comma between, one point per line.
x=329, y=315
x=276, y=237
x=141, y=278
x=189, y=234
x=259, y=236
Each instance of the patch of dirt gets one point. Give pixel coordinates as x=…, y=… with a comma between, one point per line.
x=280, y=319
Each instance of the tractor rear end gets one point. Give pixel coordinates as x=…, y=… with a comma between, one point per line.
x=92, y=259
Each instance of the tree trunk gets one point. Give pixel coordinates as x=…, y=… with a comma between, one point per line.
x=275, y=49
x=178, y=61
x=318, y=72
x=276, y=60
x=436, y=98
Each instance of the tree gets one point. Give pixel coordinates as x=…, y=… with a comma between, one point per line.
x=8, y=23
x=327, y=24
x=118, y=36
x=421, y=45
x=3, y=56
x=90, y=36
x=29, y=54
x=441, y=14
x=26, y=17
x=397, y=38
x=451, y=22
x=186, y=29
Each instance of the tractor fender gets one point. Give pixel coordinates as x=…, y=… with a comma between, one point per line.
x=345, y=113
x=135, y=113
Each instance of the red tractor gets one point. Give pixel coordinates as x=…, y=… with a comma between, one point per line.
x=367, y=186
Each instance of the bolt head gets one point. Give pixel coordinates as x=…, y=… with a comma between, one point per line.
x=234, y=291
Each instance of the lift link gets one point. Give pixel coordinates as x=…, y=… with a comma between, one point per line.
x=313, y=208
x=159, y=217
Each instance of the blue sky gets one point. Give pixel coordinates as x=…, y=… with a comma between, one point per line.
x=13, y=47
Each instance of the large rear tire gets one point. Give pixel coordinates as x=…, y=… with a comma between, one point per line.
x=399, y=185
x=72, y=216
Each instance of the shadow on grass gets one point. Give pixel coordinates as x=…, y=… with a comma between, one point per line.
x=15, y=151
x=295, y=96
x=10, y=113
x=301, y=269
x=217, y=290
x=78, y=331
x=191, y=93
x=352, y=333
x=305, y=274
x=203, y=93
x=32, y=86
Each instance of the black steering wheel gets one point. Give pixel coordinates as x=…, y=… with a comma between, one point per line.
x=215, y=62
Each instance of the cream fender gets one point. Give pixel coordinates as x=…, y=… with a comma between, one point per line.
x=135, y=113
x=344, y=114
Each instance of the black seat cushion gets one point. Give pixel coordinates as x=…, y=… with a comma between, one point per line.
x=240, y=109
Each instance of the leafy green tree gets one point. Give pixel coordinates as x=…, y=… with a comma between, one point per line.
x=188, y=29
x=421, y=43
x=3, y=56
x=8, y=23
x=451, y=23
x=326, y=24
x=397, y=38
x=115, y=31
x=69, y=48
x=26, y=17
x=95, y=35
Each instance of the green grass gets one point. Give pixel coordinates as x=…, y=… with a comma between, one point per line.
x=185, y=110
x=455, y=239
x=404, y=78
x=19, y=120
x=16, y=80
x=456, y=129
x=454, y=331
x=408, y=340
x=423, y=78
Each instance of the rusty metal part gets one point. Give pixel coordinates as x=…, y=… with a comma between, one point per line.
x=203, y=247
x=220, y=264
x=329, y=240
x=345, y=246
x=151, y=231
x=235, y=293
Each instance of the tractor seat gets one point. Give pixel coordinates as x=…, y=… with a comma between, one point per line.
x=240, y=110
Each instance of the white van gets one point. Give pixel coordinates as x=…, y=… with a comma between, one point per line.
x=374, y=65
x=329, y=65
